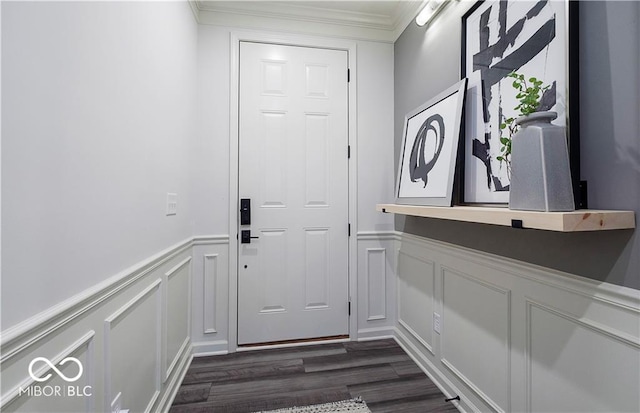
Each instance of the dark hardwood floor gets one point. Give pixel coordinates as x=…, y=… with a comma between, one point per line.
x=378, y=371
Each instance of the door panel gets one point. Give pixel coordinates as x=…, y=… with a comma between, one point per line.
x=293, y=278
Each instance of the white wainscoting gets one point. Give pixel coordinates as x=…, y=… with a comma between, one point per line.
x=513, y=336
x=176, y=315
x=210, y=296
x=416, y=292
x=131, y=334
x=376, y=285
x=132, y=337
x=81, y=349
x=517, y=337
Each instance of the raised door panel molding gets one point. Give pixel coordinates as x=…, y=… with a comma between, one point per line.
x=476, y=336
x=416, y=292
x=317, y=267
x=574, y=365
x=317, y=143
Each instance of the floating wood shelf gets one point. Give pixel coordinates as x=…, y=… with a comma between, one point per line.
x=581, y=220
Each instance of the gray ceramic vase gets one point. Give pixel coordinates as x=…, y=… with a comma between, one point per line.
x=540, y=175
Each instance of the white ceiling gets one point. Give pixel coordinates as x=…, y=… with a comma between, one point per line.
x=383, y=16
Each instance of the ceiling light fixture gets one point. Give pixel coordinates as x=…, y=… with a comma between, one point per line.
x=429, y=11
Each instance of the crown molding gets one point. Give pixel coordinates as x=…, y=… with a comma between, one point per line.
x=298, y=17
x=193, y=4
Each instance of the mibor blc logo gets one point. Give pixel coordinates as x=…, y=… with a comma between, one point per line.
x=56, y=391
x=53, y=367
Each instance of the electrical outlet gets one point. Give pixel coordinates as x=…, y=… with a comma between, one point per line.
x=116, y=404
x=172, y=204
x=437, y=323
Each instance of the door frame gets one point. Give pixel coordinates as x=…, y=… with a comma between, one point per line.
x=350, y=47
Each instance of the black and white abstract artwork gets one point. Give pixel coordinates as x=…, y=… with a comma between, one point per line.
x=499, y=37
x=429, y=149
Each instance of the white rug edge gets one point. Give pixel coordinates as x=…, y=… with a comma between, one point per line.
x=356, y=405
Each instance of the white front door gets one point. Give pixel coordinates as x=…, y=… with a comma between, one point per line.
x=293, y=166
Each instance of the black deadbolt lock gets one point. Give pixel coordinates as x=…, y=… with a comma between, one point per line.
x=245, y=211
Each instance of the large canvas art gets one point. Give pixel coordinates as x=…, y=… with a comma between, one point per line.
x=429, y=150
x=500, y=37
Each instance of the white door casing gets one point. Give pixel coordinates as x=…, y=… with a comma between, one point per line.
x=293, y=142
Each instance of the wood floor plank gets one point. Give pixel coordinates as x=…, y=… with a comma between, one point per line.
x=416, y=404
x=267, y=402
x=192, y=393
x=269, y=355
x=407, y=367
x=355, y=359
x=251, y=381
x=371, y=345
x=387, y=390
x=243, y=372
x=296, y=382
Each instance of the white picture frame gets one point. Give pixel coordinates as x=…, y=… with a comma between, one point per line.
x=426, y=168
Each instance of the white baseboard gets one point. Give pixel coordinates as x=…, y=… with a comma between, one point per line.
x=368, y=334
x=445, y=386
x=210, y=348
x=174, y=385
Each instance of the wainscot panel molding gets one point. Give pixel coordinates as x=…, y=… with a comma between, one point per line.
x=210, y=280
x=376, y=270
x=132, y=337
x=82, y=350
x=210, y=296
x=485, y=371
x=416, y=292
x=142, y=316
x=43, y=324
x=176, y=316
x=375, y=303
x=514, y=336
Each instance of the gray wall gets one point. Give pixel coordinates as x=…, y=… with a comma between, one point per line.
x=428, y=61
